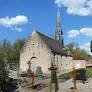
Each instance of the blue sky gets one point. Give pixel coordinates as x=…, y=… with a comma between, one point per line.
x=19, y=17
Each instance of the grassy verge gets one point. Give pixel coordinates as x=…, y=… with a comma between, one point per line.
x=89, y=72
x=65, y=76
x=68, y=75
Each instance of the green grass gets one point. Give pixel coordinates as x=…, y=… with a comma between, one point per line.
x=89, y=72
x=65, y=76
x=69, y=75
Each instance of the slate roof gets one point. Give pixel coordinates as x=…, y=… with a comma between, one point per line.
x=55, y=46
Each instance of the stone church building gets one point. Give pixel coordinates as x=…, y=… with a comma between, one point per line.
x=41, y=50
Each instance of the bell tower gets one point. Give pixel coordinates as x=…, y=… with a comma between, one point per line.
x=58, y=31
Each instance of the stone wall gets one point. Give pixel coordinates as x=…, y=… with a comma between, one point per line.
x=35, y=47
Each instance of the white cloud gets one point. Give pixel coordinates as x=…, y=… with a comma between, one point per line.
x=18, y=29
x=58, y=2
x=86, y=31
x=14, y=22
x=18, y=20
x=86, y=47
x=76, y=7
x=73, y=33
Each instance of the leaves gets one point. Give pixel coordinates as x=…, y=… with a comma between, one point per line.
x=77, y=53
x=80, y=55
x=16, y=47
x=11, y=52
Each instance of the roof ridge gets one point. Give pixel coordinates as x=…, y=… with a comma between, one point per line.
x=54, y=45
x=45, y=35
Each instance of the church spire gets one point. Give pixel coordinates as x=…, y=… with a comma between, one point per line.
x=58, y=32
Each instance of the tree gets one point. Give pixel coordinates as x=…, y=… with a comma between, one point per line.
x=80, y=55
x=77, y=53
x=73, y=47
x=11, y=53
x=2, y=71
x=16, y=48
x=5, y=49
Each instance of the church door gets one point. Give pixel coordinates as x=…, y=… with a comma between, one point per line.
x=34, y=64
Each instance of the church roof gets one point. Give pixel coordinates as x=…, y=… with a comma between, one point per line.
x=55, y=46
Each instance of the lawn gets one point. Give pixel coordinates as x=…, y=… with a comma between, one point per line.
x=67, y=76
x=89, y=72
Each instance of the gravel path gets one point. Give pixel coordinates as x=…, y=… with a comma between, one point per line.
x=66, y=87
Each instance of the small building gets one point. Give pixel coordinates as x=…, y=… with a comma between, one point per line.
x=66, y=63
x=89, y=63
x=79, y=64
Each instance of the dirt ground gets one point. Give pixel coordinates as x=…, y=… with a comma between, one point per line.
x=64, y=87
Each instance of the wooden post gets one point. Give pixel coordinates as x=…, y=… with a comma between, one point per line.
x=53, y=70
x=50, y=87
x=54, y=76
x=74, y=78
x=74, y=74
x=18, y=74
x=33, y=79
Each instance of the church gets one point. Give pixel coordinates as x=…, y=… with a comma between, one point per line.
x=41, y=50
